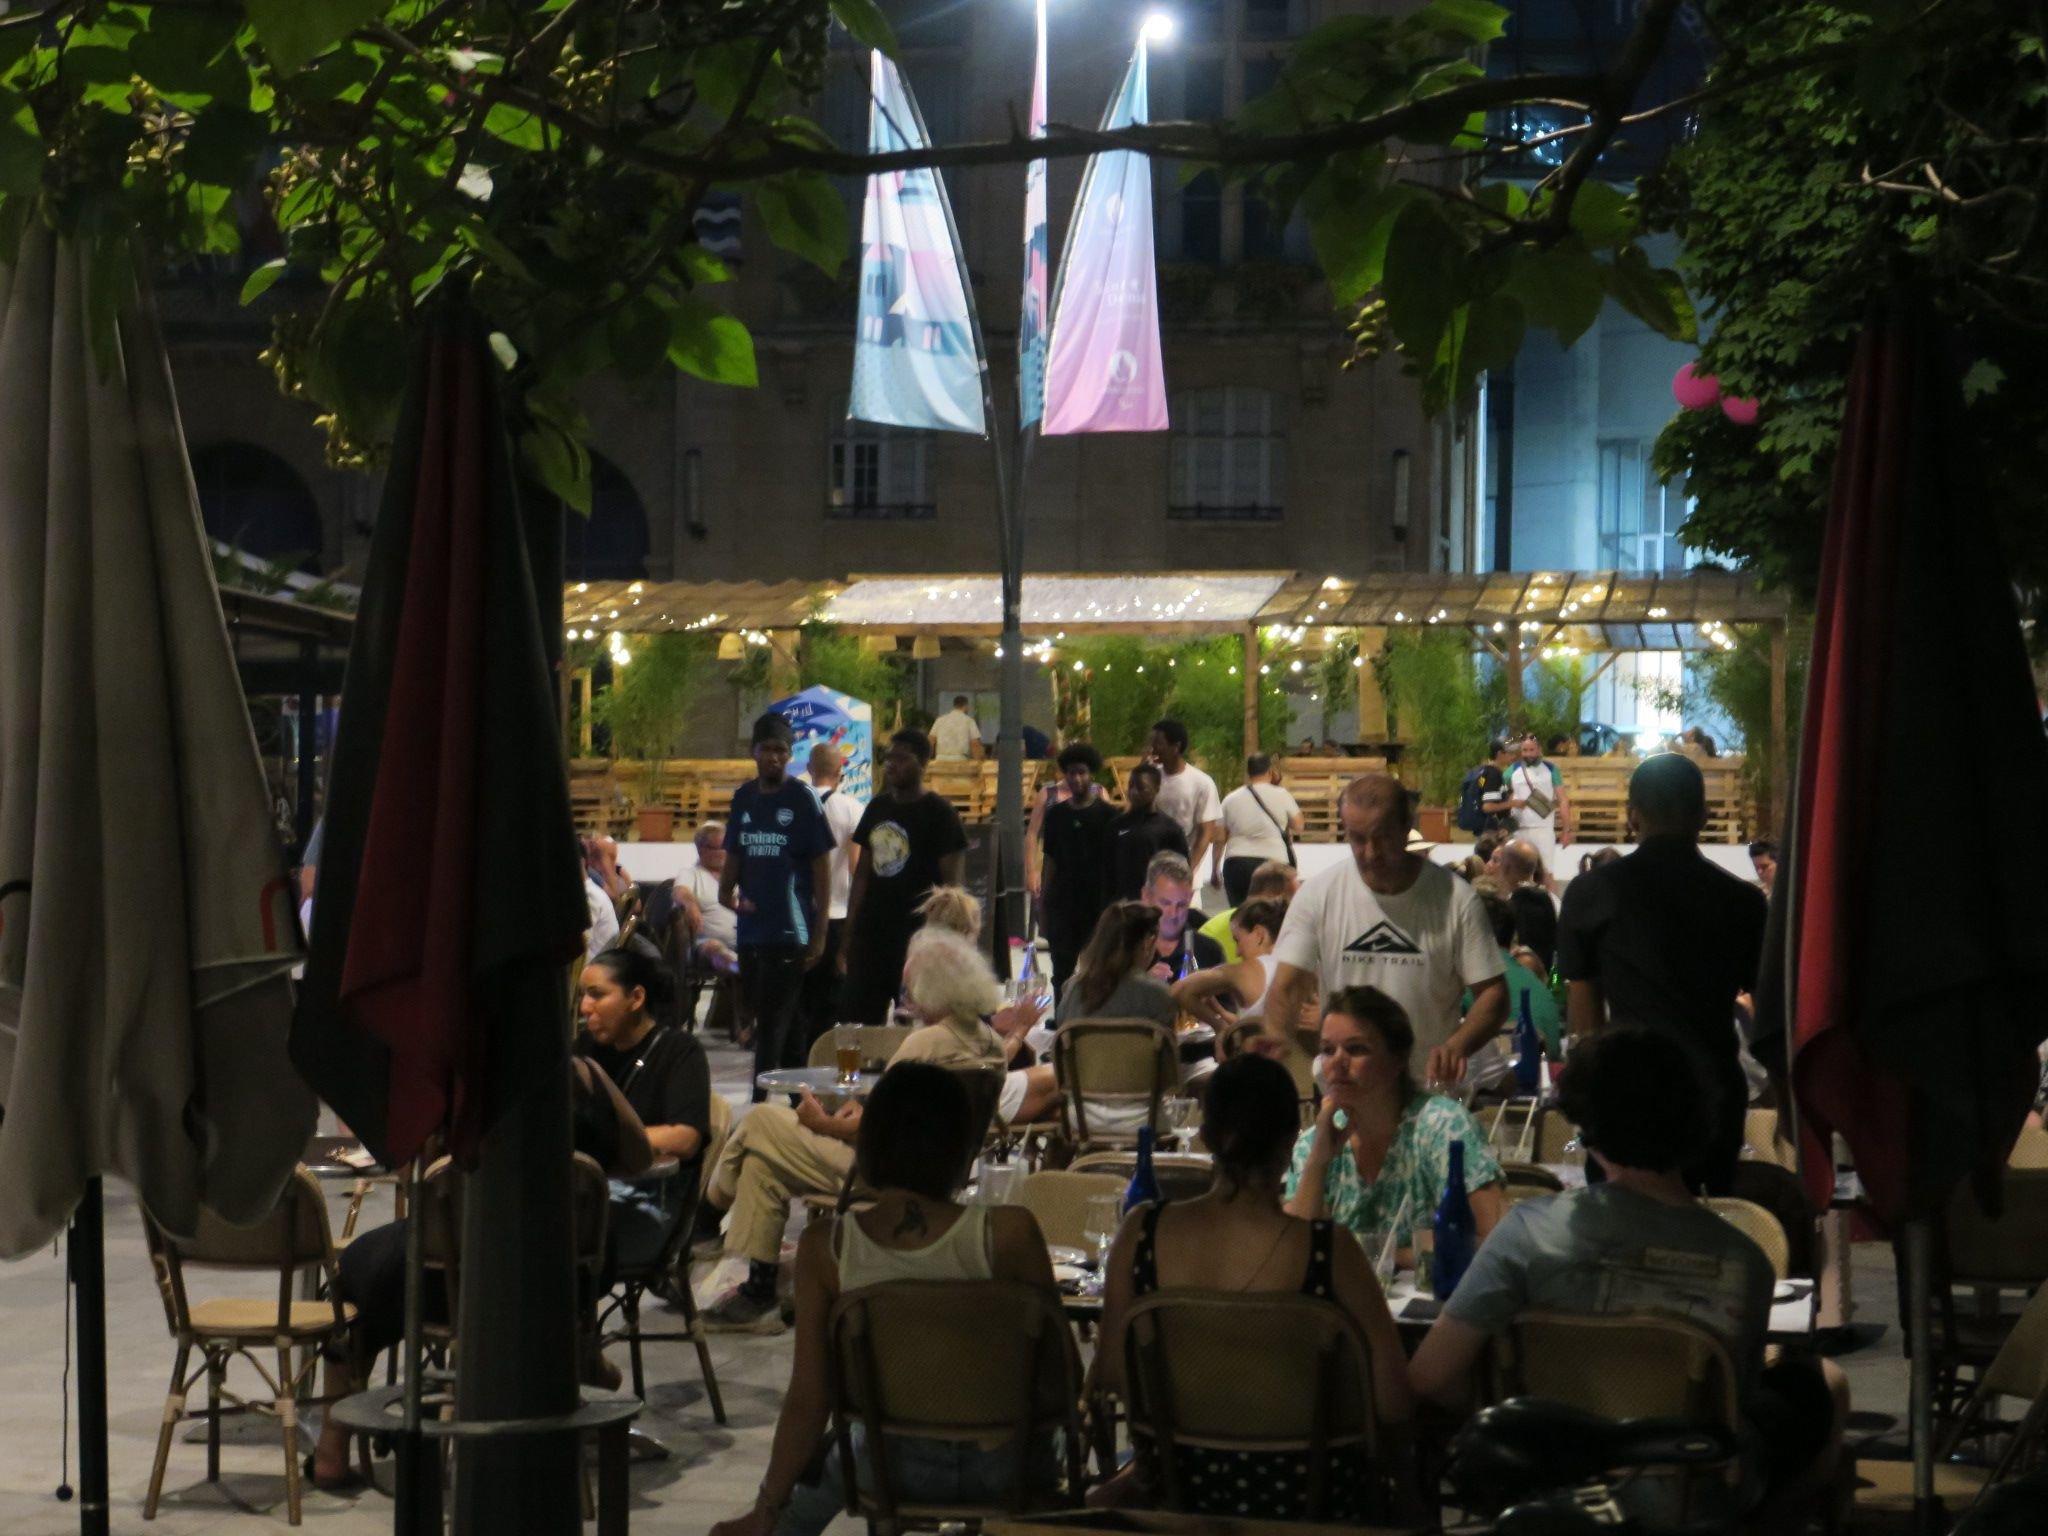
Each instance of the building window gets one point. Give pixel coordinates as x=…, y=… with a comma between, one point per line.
x=879, y=474
x=1229, y=456
x=1640, y=515
x=612, y=543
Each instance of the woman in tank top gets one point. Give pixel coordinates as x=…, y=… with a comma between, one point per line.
x=1238, y=1237
x=917, y=1140
x=1225, y=995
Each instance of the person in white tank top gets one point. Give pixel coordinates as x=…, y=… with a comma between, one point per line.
x=917, y=1141
x=1226, y=995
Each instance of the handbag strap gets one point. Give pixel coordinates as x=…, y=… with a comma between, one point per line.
x=1279, y=825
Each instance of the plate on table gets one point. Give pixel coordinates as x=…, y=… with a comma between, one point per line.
x=1068, y=1276
x=1791, y=1290
x=1073, y=1258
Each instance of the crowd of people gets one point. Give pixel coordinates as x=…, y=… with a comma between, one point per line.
x=1356, y=1014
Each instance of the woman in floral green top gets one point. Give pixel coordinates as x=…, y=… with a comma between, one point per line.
x=1380, y=1148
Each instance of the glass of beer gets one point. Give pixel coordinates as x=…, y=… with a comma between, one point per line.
x=846, y=1042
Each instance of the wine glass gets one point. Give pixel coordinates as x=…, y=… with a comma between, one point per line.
x=1105, y=1214
x=1183, y=1114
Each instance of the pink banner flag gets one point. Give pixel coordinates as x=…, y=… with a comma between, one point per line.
x=1104, y=371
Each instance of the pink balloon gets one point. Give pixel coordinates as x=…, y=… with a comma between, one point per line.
x=1694, y=391
x=1740, y=409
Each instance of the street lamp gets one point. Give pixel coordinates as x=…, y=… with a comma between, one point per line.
x=1159, y=27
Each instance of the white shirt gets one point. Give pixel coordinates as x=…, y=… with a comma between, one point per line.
x=842, y=815
x=1422, y=948
x=954, y=735
x=720, y=921
x=1251, y=833
x=1189, y=797
x=604, y=919
x=1525, y=777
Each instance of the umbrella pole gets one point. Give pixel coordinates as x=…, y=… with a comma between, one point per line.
x=416, y=1507
x=1928, y=1515
x=86, y=1255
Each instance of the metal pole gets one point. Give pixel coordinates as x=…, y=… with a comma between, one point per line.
x=87, y=1257
x=1927, y=1510
x=1251, y=691
x=1009, y=868
x=309, y=743
x=417, y=1499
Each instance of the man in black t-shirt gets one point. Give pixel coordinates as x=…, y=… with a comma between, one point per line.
x=1139, y=833
x=1665, y=938
x=1074, y=863
x=911, y=840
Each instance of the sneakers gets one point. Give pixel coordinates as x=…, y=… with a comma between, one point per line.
x=742, y=1312
x=720, y=1281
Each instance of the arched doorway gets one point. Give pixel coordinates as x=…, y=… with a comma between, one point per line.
x=612, y=543
x=254, y=501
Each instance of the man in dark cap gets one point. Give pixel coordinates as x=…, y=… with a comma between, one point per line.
x=1666, y=939
x=778, y=871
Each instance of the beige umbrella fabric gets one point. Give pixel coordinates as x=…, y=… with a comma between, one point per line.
x=146, y=924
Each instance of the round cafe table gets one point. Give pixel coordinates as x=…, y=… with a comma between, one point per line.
x=823, y=1081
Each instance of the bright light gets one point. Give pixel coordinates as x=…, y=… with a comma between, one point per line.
x=1159, y=27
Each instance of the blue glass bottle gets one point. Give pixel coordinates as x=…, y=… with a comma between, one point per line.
x=1144, y=1185
x=1528, y=1052
x=1456, y=1232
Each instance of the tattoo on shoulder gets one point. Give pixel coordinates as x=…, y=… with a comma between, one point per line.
x=912, y=1222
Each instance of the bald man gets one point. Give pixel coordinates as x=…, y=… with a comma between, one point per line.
x=1666, y=938
x=1390, y=919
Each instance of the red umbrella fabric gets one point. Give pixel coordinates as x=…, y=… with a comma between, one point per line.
x=1913, y=935
x=450, y=891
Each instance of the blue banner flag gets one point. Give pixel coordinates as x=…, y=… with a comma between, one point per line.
x=916, y=356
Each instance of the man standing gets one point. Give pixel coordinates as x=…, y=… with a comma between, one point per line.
x=1536, y=801
x=1170, y=891
x=957, y=736
x=1186, y=793
x=842, y=815
x=1763, y=858
x=1260, y=822
x=1483, y=799
x=911, y=840
x=1074, y=859
x=777, y=879
x=1139, y=834
x=1666, y=938
x=1388, y=918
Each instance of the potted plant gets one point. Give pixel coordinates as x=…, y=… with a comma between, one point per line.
x=1429, y=682
x=645, y=709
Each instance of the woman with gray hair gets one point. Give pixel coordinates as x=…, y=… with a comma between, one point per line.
x=950, y=987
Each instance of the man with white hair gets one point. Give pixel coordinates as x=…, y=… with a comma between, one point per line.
x=715, y=927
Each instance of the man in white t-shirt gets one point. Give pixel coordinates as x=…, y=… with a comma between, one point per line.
x=1186, y=793
x=1259, y=818
x=956, y=736
x=1536, y=801
x=716, y=926
x=842, y=815
x=1388, y=918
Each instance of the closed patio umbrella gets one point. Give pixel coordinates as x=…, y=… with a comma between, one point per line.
x=146, y=924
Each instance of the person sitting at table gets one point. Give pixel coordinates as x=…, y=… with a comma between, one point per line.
x=914, y=1149
x=1235, y=992
x=1641, y=1241
x=779, y=1155
x=952, y=908
x=1525, y=971
x=1239, y=1237
x=664, y=1075
x=1379, y=1152
x=370, y=1271
x=1112, y=978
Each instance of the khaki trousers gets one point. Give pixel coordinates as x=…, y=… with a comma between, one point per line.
x=768, y=1164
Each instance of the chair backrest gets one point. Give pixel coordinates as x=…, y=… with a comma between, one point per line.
x=1529, y=1181
x=958, y=1360
x=1779, y=1190
x=1527, y=1133
x=2031, y=1150
x=1225, y=1371
x=1181, y=1175
x=1629, y=1365
x=1059, y=1198
x=1116, y=1073
x=1758, y=1225
x=591, y=1204
x=2013, y=1250
x=294, y=1236
x=2020, y=1368
x=1760, y=1136
x=879, y=1043
x=984, y=1087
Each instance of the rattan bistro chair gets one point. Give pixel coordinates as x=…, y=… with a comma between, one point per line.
x=1759, y=1226
x=1115, y=1074
x=294, y=1237
x=1181, y=1175
x=1528, y=1181
x=1058, y=1199
x=953, y=1360
x=879, y=1044
x=1224, y=1371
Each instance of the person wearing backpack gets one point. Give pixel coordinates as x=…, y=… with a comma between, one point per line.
x=1483, y=798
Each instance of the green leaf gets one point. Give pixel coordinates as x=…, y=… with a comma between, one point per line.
x=516, y=126
x=1559, y=289
x=562, y=463
x=294, y=32
x=262, y=279
x=21, y=146
x=865, y=24
x=715, y=347
x=1654, y=295
x=1474, y=20
x=1493, y=335
x=701, y=267
x=805, y=216
x=1426, y=274
x=1981, y=380
x=639, y=333
x=182, y=54
x=1602, y=215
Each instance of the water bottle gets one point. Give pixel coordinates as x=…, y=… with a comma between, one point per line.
x=1144, y=1185
x=1528, y=1053
x=1455, y=1232
x=1187, y=959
